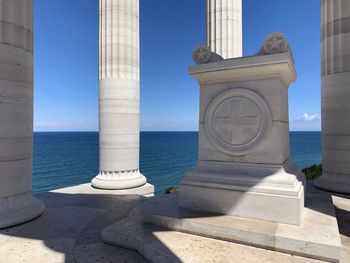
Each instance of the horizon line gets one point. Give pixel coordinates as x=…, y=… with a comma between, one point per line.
x=172, y=131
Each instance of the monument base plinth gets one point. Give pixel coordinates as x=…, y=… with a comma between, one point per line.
x=272, y=193
x=192, y=233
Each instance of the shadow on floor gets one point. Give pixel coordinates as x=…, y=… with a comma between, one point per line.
x=70, y=230
x=341, y=204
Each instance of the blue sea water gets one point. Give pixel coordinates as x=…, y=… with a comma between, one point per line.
x=69, y=158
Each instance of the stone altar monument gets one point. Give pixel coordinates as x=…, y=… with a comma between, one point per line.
x=17, y=204
x=119, y=97
x=244, y=159
x=335, y=96
x=244, y=189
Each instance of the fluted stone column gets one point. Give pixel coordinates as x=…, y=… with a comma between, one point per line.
x=17, y=204
x=335, y=96
x=224, y=27
x=119, y=95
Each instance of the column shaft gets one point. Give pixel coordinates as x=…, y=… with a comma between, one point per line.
x=224, y=27
x=335, y=42
x=119, y=95
x=17, y=203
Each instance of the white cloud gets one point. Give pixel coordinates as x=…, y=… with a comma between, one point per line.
x=306, y=122
x=309, y=117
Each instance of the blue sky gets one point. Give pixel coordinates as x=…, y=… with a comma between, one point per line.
x=66, y=60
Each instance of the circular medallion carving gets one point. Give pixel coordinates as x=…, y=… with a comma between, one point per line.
x=237, y=121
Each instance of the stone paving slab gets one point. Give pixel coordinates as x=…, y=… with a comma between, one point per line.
x=70, y=229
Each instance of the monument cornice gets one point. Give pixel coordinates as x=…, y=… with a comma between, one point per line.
x=248, y=68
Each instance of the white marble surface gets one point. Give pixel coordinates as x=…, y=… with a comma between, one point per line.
x=17, y=203
x=224, y=27
x=317, y=237
x=146, y=190
x=244, y=166
x=335, y=42
x=274, y=194
x=161, y=232
x=119, y=96
x=70, y=229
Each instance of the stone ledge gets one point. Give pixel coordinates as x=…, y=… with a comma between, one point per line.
x=146, y=190
x=317, y=238
x=159, y=245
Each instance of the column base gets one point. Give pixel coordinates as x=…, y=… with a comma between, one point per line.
x=15, y=210
x=336, y=183
x=118, y=180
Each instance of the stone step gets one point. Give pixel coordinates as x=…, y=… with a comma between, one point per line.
x=160, y=245
x=158, y=225
x=317, y=237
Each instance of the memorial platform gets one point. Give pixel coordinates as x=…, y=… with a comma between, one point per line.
x=70, y=231
x=316, y=238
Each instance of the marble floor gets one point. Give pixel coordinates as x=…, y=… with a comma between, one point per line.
x=70, y=230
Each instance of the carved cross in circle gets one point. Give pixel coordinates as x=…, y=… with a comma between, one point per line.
x=237, y=121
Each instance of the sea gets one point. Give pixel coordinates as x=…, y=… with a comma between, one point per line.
x=63, y=159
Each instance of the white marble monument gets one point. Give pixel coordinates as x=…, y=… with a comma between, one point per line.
x=244, y=167
x=335, y=96
x=17, y=204
x=224, y=27
x=244, y=189
x=119, y=97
